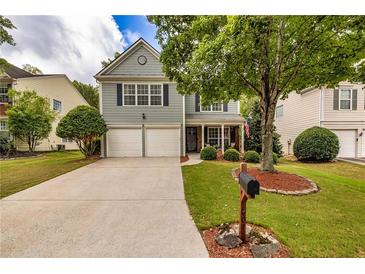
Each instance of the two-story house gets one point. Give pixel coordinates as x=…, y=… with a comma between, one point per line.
x=63, y=97
x=146, y=116
x=342, y=110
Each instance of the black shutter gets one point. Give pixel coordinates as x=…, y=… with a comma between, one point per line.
x=335, y=99
x=225, y=107
x=197, y=102
x=9, y=86
x=119, y=95
x=166, y=95
x=354, y=99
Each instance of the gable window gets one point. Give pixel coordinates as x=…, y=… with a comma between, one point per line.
x=3, y=125
x=57, y=105
x=279, y=111
x=217, y=107
x=214, y=136
x=142, y=95
x=345, y=98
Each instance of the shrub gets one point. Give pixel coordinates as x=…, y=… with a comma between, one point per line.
x=85, y=126
x=208, y=153
x=316, y=144
x=275, y=158
x=231, y=154
x=4, y=145
x=252, y=156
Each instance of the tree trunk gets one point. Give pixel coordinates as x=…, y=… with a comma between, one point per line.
x=267, y=126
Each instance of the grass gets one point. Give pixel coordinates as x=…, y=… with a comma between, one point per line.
x=19, y=174
x=330, y=223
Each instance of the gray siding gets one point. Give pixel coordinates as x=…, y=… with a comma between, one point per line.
x=113, y=114
x=130, y=66
x=190, y=107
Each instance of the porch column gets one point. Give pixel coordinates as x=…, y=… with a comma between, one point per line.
x=222, y=138
x=202, y=136
x=242, y=138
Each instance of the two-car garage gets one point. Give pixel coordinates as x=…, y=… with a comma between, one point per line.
x=139, y=141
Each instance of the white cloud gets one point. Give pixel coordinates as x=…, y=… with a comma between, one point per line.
x=131, y=36
x=73, y=45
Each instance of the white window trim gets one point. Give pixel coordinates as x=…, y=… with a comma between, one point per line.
x=6, y=125
x=60, y=105
x=220, y=135
x=210, y=106
x=149, y=95
x=276, y=111
x=339, y=99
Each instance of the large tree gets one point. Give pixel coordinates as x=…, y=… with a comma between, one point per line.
x=5, y=37
x=222, y=57
x=89, y=92
x=32, y=69
x=30, y=117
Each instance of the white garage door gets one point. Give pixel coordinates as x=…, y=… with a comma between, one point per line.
x=126, y=142
x=347, y=142
x=162, y=142
x=363, y=143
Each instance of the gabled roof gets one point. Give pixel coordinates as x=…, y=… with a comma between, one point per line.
x=15, y=72
x=128, y=52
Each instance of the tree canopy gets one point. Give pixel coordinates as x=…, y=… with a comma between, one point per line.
x=32, y=69
x=30, y=117
x=85, y=126
x=5, y=37
x=105, y=63
x=89, y=92
x=222, y=57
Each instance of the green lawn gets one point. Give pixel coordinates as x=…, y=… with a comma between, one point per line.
x=17, y=175
x=330, y=223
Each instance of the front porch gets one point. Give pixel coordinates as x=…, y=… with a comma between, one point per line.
x=202, y=135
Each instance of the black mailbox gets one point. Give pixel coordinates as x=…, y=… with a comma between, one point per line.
x=249, y=184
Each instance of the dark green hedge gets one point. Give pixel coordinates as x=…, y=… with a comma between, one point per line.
x=231, y=154
x=252, y=156
x=208, y=153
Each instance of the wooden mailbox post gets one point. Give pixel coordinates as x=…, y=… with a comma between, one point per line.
x=249, y=187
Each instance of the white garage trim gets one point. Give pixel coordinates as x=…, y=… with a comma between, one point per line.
x=124, y=126
x=162, y=141
x=347, y=140
x=124, y=142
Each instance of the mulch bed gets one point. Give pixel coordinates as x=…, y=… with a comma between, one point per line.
x=279, y=180
x=243, y=251
x=184, y=159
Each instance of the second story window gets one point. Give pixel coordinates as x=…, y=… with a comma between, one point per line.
x=279, y=111
x=217, y=107
x=4, y=93
x=345, y=98
x=142, y=94
x=57, y=105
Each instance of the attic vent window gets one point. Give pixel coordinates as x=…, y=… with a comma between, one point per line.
x=142, y=60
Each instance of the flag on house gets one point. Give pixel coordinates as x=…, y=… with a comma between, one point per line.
x=247, y=129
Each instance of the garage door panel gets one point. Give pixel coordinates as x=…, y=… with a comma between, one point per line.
x=124, y=143
x=162, y=142
x=347, y=140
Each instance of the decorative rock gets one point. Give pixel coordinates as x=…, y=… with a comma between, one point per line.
x=228, y=239
x=264, y=250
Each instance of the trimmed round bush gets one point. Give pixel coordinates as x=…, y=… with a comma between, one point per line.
x=316, y=144
x=208, y=153
x=252, y=156
x=231, y=154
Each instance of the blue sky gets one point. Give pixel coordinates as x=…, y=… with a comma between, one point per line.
x=133, y=26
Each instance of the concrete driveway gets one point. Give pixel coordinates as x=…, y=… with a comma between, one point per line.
x=121, y=207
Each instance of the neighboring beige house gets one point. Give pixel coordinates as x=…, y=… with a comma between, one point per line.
x=62, y=95
x=342, y=110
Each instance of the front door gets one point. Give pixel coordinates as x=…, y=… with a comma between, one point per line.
x=191, y=139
